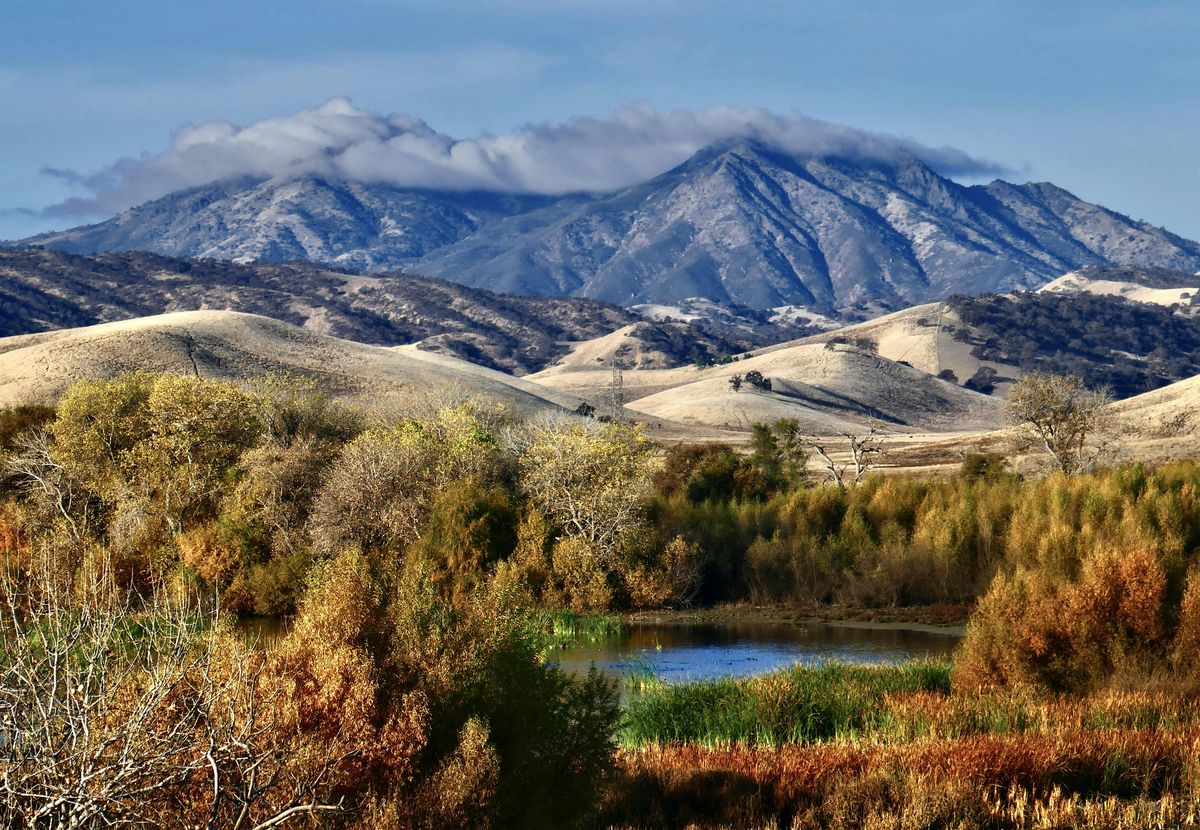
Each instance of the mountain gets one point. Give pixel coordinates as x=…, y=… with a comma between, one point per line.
x=229, y=345
x=738, y=223
x=43, y=289
x=358, y=226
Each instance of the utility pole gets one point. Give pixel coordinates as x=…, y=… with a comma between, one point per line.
x=617, y=399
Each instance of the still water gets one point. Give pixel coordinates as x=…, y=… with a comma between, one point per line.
x=680, y=653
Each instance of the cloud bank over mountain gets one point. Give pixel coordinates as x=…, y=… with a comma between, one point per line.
x=599, y=154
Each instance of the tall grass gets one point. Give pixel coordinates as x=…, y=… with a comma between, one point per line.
x=1111, y=779
x=564, y=628
x=877, y=705
x=803, y=704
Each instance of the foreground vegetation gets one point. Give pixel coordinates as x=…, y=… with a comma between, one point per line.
x=430, y=559
x=1129, y=779
x=840, y=746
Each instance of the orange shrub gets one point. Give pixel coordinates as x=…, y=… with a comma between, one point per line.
x=1186, y=646
x=1043, y=629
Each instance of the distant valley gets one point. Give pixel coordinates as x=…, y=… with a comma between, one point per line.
x=936, y=369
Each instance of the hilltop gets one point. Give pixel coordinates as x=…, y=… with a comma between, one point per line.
x=37, y=368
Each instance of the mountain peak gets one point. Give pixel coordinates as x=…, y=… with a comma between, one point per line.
x=741, y=222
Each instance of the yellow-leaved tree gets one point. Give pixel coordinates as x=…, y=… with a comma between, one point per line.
x=591, y=480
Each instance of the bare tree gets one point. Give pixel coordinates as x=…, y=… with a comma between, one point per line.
x=1065, y=416
x=46, y=481
x=116, y=718
x=866, y=451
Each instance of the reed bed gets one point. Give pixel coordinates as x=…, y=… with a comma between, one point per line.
x=799, y=705
x=1115, y=778
x=878, y=704
x=563, y=628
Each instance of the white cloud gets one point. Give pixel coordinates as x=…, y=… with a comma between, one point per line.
x=341, y=140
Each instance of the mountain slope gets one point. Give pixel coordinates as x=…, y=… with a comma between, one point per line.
x=1160, y=286
x=42, y=290
x=739, y=222
x=830, y=388
x=230, y=345
x=830, y=391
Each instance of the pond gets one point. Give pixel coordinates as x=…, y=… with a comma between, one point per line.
x=685, y=652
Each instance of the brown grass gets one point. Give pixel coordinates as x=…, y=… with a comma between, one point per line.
x=1106, y=778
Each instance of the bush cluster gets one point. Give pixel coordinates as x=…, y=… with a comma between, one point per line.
x=409, y=690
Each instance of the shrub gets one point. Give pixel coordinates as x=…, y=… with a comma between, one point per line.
x=471, y=526
x=1068, y=633
x=700, y=471
x=673, y=580
x=1185, y=652
x=580, y=571
x=989, y=465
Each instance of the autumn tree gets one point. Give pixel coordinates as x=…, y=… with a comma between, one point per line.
x=781, y=451
x=1066, y=418
x=17, y=423
x=379, y=490
x=591, y=479
x=154, y=445
x=296, y=408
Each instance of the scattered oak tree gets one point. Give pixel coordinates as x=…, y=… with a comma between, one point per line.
x=756, y=379
x=1067, y=418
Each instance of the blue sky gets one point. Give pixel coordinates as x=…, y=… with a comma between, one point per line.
x=1100, y=97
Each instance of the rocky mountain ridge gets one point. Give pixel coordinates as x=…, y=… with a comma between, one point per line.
x=738, y=223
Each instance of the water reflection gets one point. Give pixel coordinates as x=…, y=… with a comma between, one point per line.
x=679, y=653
